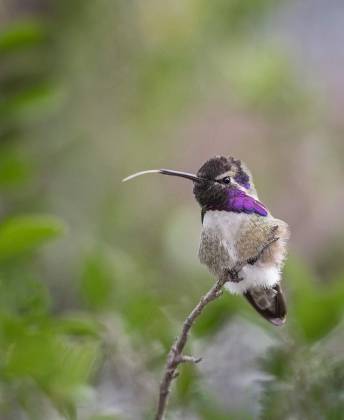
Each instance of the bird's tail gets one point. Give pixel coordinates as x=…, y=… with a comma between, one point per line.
x=269, y=303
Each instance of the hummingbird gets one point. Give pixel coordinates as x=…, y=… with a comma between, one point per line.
x=238, y=230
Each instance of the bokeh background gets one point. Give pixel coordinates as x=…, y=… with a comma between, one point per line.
x=96, y=276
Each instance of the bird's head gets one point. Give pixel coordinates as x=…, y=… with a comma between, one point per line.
x=213, y=181
x=218, y=176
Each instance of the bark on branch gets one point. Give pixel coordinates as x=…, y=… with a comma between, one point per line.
x=175, y=355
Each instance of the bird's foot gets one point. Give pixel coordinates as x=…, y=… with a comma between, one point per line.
x=234, y=276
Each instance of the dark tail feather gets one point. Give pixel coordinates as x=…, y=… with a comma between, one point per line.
x=269, y=303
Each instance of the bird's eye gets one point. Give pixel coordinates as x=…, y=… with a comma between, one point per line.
x=226, y=180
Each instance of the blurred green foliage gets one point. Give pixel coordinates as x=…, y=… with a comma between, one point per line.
x=25, y=233
x=109, y=286
x=42, y=355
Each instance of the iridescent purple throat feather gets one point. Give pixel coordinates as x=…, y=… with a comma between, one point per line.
x=240, y=202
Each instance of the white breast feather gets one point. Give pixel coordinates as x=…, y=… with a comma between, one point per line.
x=226, y=225
x=255, y=275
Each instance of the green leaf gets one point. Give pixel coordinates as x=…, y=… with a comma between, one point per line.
x=317, y=307
x=77, y=325
x=14, y=169
x=21, y=234
x=97, y=281
x=60, y=364
x=21, y=35
x=21, y=292
x=33, y=102
x=316, y=316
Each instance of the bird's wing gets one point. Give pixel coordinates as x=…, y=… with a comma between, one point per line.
x=255, y=236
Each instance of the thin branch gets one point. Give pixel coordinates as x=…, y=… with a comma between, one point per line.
x=175, y=356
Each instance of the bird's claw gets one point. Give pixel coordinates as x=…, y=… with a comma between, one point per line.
x=234, y=276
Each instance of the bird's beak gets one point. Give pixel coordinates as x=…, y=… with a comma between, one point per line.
x=166, y=172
